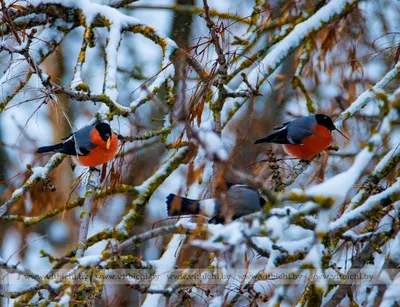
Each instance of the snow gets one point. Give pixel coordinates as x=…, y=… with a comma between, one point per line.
x=314, y=258
x=286, y=46
x=164, y=265
x=65, y=300
x=17, y=192
x=295, y=246
x=363, y=99
x=384, y=161
x=112, y=59
x=277, y=227
x=208, y=206
x=360, y=211
x=231, y=239
x=118, y=21
x=339, y=185
x=212, y=144
x=216, y=302
x=55, y=286
x=391, y=296
x=167, y=72
x=395, y=249
x=17, y=71
x=89, y=261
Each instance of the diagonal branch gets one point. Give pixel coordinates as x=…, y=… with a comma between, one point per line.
x=38, y=173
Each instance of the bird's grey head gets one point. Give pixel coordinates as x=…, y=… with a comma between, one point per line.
x=104, y=131
x=326, y=121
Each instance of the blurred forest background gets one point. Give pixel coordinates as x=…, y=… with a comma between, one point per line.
x=324, y=71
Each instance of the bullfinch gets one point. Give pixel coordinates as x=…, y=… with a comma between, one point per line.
x=92, y=145
x=304, y=137
x=241, y=200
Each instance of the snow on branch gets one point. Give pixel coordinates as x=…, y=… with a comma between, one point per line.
x=95, y=15
x=367, y=96
x=329, y=13
x=100, y=194
x=165, y=264
x=141, y=196
x=18, y=73
x=38, y=173
x=315, y=229
x=360, y=213
x=339, y=186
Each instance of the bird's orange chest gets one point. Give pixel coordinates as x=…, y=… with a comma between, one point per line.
x=311, y=145
x=100, y=154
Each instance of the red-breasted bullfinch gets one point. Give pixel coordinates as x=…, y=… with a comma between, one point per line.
x=92, y=145
x=304, y=137
x=241, y=200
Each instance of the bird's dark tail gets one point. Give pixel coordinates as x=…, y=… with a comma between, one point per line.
x=268, y=139
x=49, y=148
x=178, y=205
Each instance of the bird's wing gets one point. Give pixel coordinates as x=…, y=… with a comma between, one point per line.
x=79, y=143
x=69, y=148
x=67, y=137
x=279, y=137
x=299, y=129
x=281, y=127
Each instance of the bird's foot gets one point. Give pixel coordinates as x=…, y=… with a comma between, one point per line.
x=94, y=169
x=305, y=161
x=93, y=185
x=91, y=179
x=333, y=147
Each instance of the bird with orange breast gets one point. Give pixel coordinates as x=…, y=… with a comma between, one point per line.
x=305, y=137
x=92, y=145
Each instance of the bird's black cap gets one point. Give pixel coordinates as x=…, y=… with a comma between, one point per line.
x=104, y=130
x=326, y=121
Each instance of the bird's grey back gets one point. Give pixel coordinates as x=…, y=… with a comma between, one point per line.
x=300, y=128
x=82, y=138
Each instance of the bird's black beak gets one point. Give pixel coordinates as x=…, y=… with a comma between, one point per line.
x=341, y=133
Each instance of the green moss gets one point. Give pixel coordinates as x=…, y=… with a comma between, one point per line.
x=169, y=93
x=315, y=296
x=124, y=262
x=290, y=258
x=150, y=33
x=113, y=108
x=301, y=198
x=296, y=82
x=63, y=29
x=391, y=165
x=84, y=87
x=4, y=104
x=396, y=103
x=106, y=255
x=324, y=202
x=385, y=106
x=320, y=235
x=83, y=213
x=326, y=260
x=139, y=204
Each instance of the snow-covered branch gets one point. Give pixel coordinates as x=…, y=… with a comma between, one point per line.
x=38, y=173
x=329, y=13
